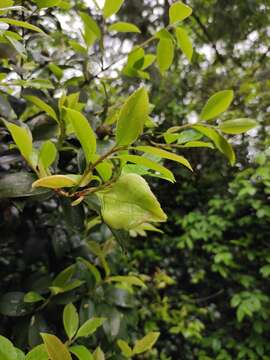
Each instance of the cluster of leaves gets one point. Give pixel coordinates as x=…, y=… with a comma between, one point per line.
x=77, y=147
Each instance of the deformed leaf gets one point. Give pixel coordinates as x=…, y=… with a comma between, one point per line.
x=146, y=343
x=166, y=155
x=217, y=104
x=55, y=348
x=237, y=126
x=57, y=181
x=124, y=27
x=111, y=7
x=179, y=12
x=130, y=202
x=132, y=118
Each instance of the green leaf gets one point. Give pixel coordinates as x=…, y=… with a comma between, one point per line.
x=19, y=185
x=111, y=7
x=125, y=348
x=140, y=160
x=198, y=144
x=220, y=142
x=92, y=269
x=47, y=3
x=184, y=42
x=132, y=118
x=32, y=297
x=81, y=352
x=130, y=202
x=57, y=181
x=165, y=154
x=146, y=343
x=55, y=348
x=42, y=106
x=165, y=54
x=179, y=12
x=47, y=154
x=22, y=24
x=56, y=70
x=237, y=126
x=38, y=353
x=91, y=29
x=130, y=280
x=7, y=350
x=63, y=278
x=84, y=133
x=124, y=27
x=217, y=104
x=22, y=138
x=89, y=327
x=70, y=320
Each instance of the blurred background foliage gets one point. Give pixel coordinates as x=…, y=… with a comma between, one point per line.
x=208, y=272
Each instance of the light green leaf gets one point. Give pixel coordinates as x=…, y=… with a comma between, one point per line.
x=55, y=348
x=22, y=138
x=111, y=7
x=125, y=348
x=140, y=160
x=6, y=3
x=70, y=320
x=38, y=353
x=42, y=106
x=130, y=202
x=130, y=280
x=57, y=181
x=84, y=133
x=166, y=155
x=220, y=142
x=124, y=27
x=47, y=3
x=146, y=343
x=89, y=327
x=99, y=354
x=237, y=126
x=7, y=350
x=20, y=354
x=92, y=269
x=165, y=54
x=91, y=29
x=179, y=12
x=22, y=24
x=217, y=104
x=47, y=154
x=32, y=297
x=184, y=42
x=56, y=70
x=198, y=144
x=81, y=352
x=132, y=118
